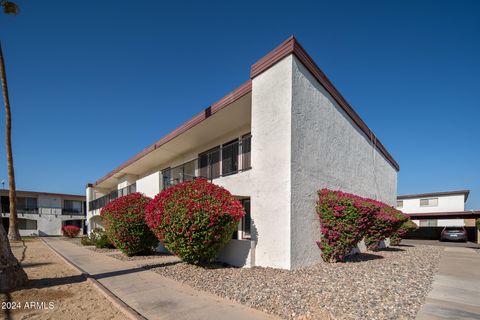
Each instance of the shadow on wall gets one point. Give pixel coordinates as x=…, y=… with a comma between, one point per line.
x=236, y=252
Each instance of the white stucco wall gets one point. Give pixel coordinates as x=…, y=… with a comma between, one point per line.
x=271, y=155
x=149, y=185
x=328, y=151
x=445, y=204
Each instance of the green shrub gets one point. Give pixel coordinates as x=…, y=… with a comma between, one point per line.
x=194, y=219
x=125, y=226
x=86, y=241
x=102, y=242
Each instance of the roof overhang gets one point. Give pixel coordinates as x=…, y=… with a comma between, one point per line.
x=195, y=132
x=25, y=193
x=435, y=194
x=473, y=214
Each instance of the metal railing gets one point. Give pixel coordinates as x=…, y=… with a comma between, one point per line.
x=102, y=201
x=222, y=161
x=48, y=210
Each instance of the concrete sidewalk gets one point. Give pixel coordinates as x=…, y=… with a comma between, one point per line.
x=456, y=287
x=151, y=295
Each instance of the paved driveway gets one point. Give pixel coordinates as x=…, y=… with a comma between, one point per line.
x=455, y=290
x=469, y=244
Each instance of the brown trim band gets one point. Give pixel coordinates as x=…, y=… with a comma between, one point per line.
x=456, y=214
x=291, y=45
x=435, y=194
x=4, y=192
x=217, y=106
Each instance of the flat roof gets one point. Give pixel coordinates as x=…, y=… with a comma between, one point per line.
x=290, y=46
x=435, y=194
x=4, y=192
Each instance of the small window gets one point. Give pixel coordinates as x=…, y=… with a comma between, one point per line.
x=428, y=223
x=72, y=206
x=246, y=220
x=400, y=204
x=431, y=202
x=27, y=224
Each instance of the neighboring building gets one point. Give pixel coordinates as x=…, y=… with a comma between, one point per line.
x=433, y=211
x=44, y=213
x=273, y=142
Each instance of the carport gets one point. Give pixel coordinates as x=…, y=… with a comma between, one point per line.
x=433, y=232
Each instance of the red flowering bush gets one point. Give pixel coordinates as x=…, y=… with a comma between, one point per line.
x=124, y=222
x=344, y=219
x=386, y=223
x=194, y=219
x=70, y=231
x=407, y=226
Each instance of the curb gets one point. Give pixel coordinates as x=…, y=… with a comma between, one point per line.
x=116, y=301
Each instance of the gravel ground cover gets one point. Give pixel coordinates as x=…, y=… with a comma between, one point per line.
x=389, y=284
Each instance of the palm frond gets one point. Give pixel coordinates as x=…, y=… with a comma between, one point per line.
x=10, y=7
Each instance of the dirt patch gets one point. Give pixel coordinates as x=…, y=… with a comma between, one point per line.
x=55, y=291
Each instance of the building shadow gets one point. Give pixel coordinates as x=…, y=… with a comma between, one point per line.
x=391, y=249
x=362, y=257
x=35, y=264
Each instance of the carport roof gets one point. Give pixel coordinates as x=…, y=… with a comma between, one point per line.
x=471, y=214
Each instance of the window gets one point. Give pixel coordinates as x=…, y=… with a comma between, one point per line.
x=230, y=157
x=26, y=204
x=431, y=202
x=246, y=220
x=428, y=223
x=246, y=147
x=244, y=227
x=209, y=163
x=72, y=206
x=27, y=224
x=399, y=203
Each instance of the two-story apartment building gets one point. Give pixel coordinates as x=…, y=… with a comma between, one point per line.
x=433, y=211
x=44, y=213
x=272, y=142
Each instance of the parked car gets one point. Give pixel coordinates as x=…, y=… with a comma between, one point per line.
x=453, y=233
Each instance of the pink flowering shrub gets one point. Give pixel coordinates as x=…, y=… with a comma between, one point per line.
x=406, y=227
x=70, y=231
x=344, y=220
x=386, y=223
x=124, y=222
x=194, y=219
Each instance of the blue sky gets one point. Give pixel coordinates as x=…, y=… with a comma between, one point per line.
x=93, y=84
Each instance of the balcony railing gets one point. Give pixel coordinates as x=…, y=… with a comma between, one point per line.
x=222, y=161
x=102, y=201
x=45, y=210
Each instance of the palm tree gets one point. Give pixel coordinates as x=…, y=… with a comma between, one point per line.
x=13, y=233
x=11, y=273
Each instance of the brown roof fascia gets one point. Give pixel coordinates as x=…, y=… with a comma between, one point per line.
x=40, y=193
x=435, y=194
x=291, y=45
x=236, y=94
x=462, y=214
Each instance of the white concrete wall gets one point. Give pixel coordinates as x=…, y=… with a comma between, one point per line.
x=328, y=151
x=149, y=185
x=451, y=222
x=126, y=180
x=271, y=156
x=445, y=204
